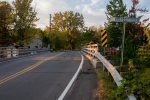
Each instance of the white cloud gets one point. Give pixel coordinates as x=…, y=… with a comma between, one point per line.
x=47, y=7
x=93, y=13
x=83, y=0
x=94, y=2
x=77, y=7
x=91, y=10
x=88, y=9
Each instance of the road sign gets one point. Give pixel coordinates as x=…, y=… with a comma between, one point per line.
x=124, y=19
x=104, y=38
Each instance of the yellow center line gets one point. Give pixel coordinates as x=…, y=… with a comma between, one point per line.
x=26, y=69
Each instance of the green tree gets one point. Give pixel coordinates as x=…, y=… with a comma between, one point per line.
x=45, y=40
x=90, y=35
x=25, y=16
x=115, y=8
x=70, y=22
x=61, y=41
x=6, y=22
x=46, y=37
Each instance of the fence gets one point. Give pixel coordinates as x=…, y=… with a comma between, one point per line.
x=91, y=52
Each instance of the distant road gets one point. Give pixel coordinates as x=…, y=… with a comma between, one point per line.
x=39, y=77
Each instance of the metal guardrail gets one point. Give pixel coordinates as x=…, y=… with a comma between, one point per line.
x=9, y=52
x=92, y=53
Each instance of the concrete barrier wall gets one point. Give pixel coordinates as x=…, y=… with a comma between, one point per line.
x=7, y=53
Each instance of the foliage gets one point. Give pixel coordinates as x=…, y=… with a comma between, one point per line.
x=70, y=22
x=115, y=8
x=45, y=40
x=61, y=41
x=105, y=85
x=143, y=57
x=6, y=21
x=114, y=36
x=25, y=16
x=133, y=83
x=67, y=21
x=147, y=32
x=135, y=36
x=90, y=36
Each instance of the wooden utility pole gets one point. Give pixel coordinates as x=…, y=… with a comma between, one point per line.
x=50, y=23
x=50, y=28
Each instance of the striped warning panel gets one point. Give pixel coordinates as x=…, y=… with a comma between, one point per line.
x=104, y=38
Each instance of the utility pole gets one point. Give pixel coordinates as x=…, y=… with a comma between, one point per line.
x=50, y=22
x=50, y=28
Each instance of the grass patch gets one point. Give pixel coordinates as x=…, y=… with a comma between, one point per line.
x=105, y=85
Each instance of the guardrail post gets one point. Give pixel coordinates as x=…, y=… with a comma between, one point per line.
x=103, y=67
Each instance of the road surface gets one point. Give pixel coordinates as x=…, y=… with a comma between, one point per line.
x=39, y=77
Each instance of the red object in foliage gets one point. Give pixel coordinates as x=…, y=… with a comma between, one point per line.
x=111, y=51
x=135, y=2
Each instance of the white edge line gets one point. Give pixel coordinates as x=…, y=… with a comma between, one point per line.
x=61, y=97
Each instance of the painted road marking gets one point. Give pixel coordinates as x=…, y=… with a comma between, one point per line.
x=27, y=69
x=72, y=80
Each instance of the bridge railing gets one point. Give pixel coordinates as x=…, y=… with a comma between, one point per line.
x=91, y=52
x=10, y=52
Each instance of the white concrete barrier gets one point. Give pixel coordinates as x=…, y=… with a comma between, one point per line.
x=10, y=52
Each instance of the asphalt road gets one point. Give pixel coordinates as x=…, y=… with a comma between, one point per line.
x=39, y=77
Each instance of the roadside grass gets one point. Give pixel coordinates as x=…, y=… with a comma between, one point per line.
x=105, y=85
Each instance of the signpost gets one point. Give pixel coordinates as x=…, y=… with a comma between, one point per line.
x=124, y=20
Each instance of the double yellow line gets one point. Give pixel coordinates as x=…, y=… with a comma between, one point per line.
x=26, y=69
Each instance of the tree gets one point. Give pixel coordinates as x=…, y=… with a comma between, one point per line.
x=135, y=36
x=6, y=21
x=115, y=8
x=25, y=16
x=70, y=22
x=91, y=35
x=46, y=37
x=87, y=36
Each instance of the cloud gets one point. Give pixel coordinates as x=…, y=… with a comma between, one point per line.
x=88, y=9
x=92, y=10
x=83, y=0
x=94, y=2
x=47, y=7
x=77, y=7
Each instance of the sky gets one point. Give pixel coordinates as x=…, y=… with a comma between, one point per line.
x=92, y=10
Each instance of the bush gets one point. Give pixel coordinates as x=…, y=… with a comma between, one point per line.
x=133, y=83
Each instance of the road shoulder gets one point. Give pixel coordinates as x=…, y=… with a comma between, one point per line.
x=85, y=85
